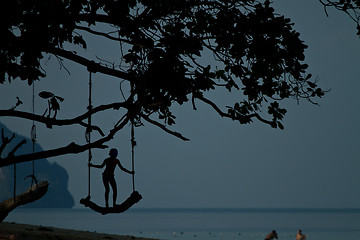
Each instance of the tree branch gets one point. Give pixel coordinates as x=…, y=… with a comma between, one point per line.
x=16, y=147
x=176, y=134
x=32, y=194
x=5, y=141
x=95, y=18
x=72, y=148
x=89, y=30
x=90, y=64
x=214, y=106
x=62, y=122
x=222, y=114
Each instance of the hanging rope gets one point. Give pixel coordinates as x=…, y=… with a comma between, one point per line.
x=14, y=182
x=133, y=144
x=33, y=134
x=135, y=196
x=88, y=133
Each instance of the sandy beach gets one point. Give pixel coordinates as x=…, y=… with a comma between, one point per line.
x=31, y=232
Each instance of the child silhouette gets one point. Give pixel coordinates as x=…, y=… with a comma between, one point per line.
x=110, y=164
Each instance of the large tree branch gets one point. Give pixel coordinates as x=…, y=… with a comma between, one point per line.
x=72, y=148
x=62, y=122
x=32, y=194
x=90, y=64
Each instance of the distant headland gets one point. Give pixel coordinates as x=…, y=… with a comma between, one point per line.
x=58, y=195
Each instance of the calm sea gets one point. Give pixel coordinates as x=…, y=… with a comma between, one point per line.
x=203, y=224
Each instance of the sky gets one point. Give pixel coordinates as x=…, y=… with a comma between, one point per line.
x=313, y=163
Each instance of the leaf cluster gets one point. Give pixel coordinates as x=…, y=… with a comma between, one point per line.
x=165, y=49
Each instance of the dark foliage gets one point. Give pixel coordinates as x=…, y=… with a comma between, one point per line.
x=172, y=52
x=350, y=7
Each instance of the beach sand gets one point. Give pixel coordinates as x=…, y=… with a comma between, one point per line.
x=32, y=232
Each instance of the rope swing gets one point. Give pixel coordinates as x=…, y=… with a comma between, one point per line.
x=135, y=196
x=133, y=144
x=88, y=133
x=33, y=140
x=14, y=182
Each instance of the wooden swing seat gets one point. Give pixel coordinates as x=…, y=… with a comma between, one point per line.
x=135, y=197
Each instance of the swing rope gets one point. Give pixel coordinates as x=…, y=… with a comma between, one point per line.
x=135, y=196
x=33, y=139
x=15, y=182
x=133, y=144
x=88, y=134
x=33, y=134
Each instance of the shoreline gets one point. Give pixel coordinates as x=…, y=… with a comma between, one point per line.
x=33, y=232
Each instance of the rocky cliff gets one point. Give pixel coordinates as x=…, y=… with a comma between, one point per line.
x=57, y=196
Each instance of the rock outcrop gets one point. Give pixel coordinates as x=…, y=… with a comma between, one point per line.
x=58, y=195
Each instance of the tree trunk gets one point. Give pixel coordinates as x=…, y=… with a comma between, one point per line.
x=32, y=194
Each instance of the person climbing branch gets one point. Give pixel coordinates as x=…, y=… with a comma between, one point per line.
x=108, y=174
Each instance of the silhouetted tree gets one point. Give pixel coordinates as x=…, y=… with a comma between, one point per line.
x=163, y=43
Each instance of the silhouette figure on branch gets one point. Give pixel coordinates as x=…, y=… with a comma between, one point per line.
x=52, y=102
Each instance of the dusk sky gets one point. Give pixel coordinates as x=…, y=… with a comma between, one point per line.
x=313, y=163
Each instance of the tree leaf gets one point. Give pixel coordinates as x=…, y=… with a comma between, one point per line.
x=280, y=125
x=60, y=98
x=46, y=95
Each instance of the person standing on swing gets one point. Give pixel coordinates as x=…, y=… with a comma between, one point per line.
x=108, y=174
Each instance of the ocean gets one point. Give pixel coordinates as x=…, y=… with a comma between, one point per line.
x=202, y=224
